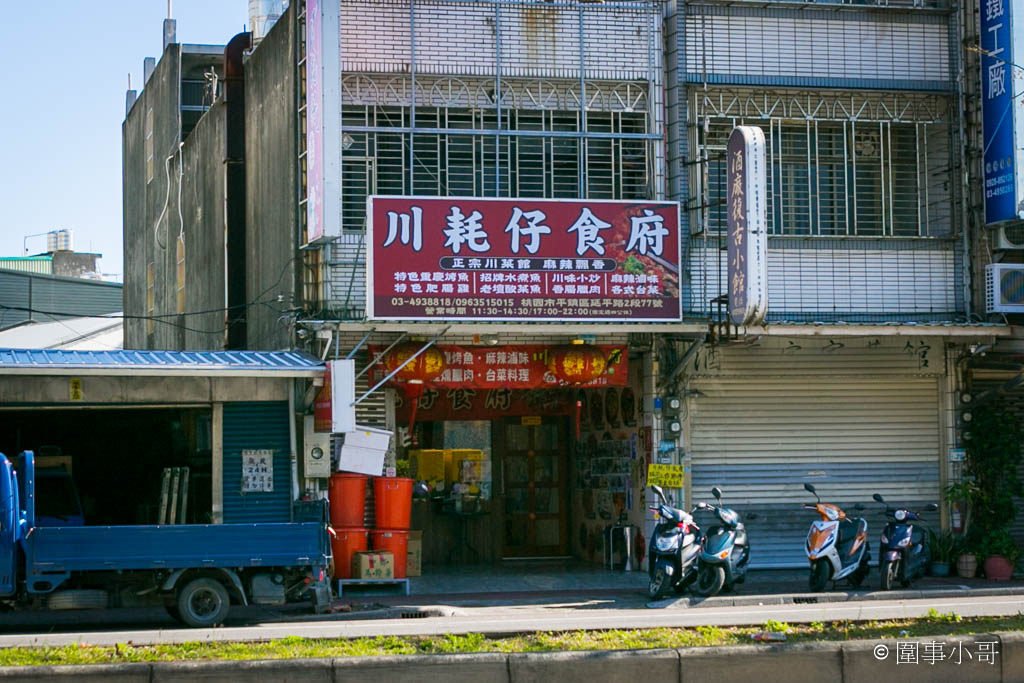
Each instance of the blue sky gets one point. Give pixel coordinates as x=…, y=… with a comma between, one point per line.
x=65, y=73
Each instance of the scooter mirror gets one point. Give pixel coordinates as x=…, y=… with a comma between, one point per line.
x=808, y=487
x=658, y=492
x=931, y=507
x=717, y=493
x=702, y=505
x=877, y=498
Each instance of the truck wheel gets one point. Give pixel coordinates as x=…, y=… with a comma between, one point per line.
x=203, y=603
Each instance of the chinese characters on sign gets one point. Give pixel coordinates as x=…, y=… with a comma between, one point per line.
x=667, y=476
x=747, y=227
x=315, y=123
x=522, y=259
x=1002, y=123
x=511, y=367
x=257, y=471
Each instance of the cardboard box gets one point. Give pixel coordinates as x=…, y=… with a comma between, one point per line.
x=414, y=554
x=373, y=564
x=452, y=467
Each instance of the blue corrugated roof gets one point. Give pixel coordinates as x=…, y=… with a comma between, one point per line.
x=161, y=362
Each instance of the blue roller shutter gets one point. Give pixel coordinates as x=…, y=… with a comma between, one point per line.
x=256, y=426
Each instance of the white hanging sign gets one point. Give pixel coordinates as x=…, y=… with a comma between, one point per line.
x=746, y=199
x=258, y=471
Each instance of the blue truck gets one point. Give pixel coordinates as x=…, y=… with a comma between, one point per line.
x=196, y=571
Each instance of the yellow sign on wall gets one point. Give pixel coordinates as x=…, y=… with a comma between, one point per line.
x=666, y=476
x=75, y=392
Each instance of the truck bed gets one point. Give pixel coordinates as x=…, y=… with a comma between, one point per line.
x=69, y=549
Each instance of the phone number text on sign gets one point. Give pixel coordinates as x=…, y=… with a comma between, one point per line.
x=522, y=259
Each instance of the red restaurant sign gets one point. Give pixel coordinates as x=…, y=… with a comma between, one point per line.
x=512, y=367
x=522, y=259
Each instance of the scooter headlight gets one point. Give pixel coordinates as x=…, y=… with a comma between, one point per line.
x=900, y=515
x=667, y=542
x=831, y=513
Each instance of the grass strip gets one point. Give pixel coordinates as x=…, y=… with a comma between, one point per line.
x=294, y=647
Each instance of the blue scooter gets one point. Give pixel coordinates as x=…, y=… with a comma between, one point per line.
x=725, y=551
x=904, y=554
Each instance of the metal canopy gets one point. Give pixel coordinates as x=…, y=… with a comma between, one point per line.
x=181, y=363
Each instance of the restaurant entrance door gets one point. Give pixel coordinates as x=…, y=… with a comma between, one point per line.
x=533, y=453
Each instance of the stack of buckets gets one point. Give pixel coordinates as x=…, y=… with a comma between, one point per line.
x=392, y=511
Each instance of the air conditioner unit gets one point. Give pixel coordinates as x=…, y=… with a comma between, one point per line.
x=1010, y=237
x=1004, y=288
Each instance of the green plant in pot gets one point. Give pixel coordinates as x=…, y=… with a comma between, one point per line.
x=403, y=468
x=991, y=483
x=942, y=547
x=1000, y=554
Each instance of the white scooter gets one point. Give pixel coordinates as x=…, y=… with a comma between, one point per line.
x=837, y=547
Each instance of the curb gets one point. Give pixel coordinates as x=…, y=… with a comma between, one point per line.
x=853, y=661
x=835, y=596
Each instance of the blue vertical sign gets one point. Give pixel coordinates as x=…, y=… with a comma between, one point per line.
x=1002, y=187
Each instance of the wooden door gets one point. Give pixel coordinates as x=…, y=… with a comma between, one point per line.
x=534, y=465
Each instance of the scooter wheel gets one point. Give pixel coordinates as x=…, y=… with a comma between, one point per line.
x=820, y=575
x=659, y=585
x=889, y=572
x=710, y=579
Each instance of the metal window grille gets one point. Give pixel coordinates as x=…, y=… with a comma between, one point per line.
x=829, y=177
x=450, y=164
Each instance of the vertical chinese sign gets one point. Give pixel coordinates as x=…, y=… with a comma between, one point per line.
x=522, y=259
x=1003, y=125
x=314, y=122
x=747, y=226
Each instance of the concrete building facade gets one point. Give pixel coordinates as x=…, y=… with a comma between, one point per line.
x=850, y=382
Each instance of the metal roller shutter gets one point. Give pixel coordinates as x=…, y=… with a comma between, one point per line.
x=257, y=426
x=759, y=439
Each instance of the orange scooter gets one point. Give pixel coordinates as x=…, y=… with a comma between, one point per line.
x=837, y=547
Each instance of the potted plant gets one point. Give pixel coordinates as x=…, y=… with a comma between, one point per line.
x=942, y=546
x=964, y=494
x=1000, y=554
x=990, y=483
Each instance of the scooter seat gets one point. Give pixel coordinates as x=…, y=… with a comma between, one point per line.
x=847, y=530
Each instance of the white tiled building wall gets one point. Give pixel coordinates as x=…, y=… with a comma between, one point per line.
x=460, y=38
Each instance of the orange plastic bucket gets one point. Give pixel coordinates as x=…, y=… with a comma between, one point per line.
x=395, y=541
x=347, y=493
x=347, y=543
x=392, y=502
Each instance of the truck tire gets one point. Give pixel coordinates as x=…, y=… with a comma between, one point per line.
x=203, y=603
x=77, y=599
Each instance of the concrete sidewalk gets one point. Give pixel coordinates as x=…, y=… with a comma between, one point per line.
x=493, y=585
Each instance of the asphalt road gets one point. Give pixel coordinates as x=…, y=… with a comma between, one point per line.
x=529, y=618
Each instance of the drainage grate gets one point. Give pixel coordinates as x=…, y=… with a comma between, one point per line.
x=415, y=615
x=805, y=601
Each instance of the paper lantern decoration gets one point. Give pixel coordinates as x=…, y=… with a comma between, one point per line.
x=577, y=364
x=414, y=372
